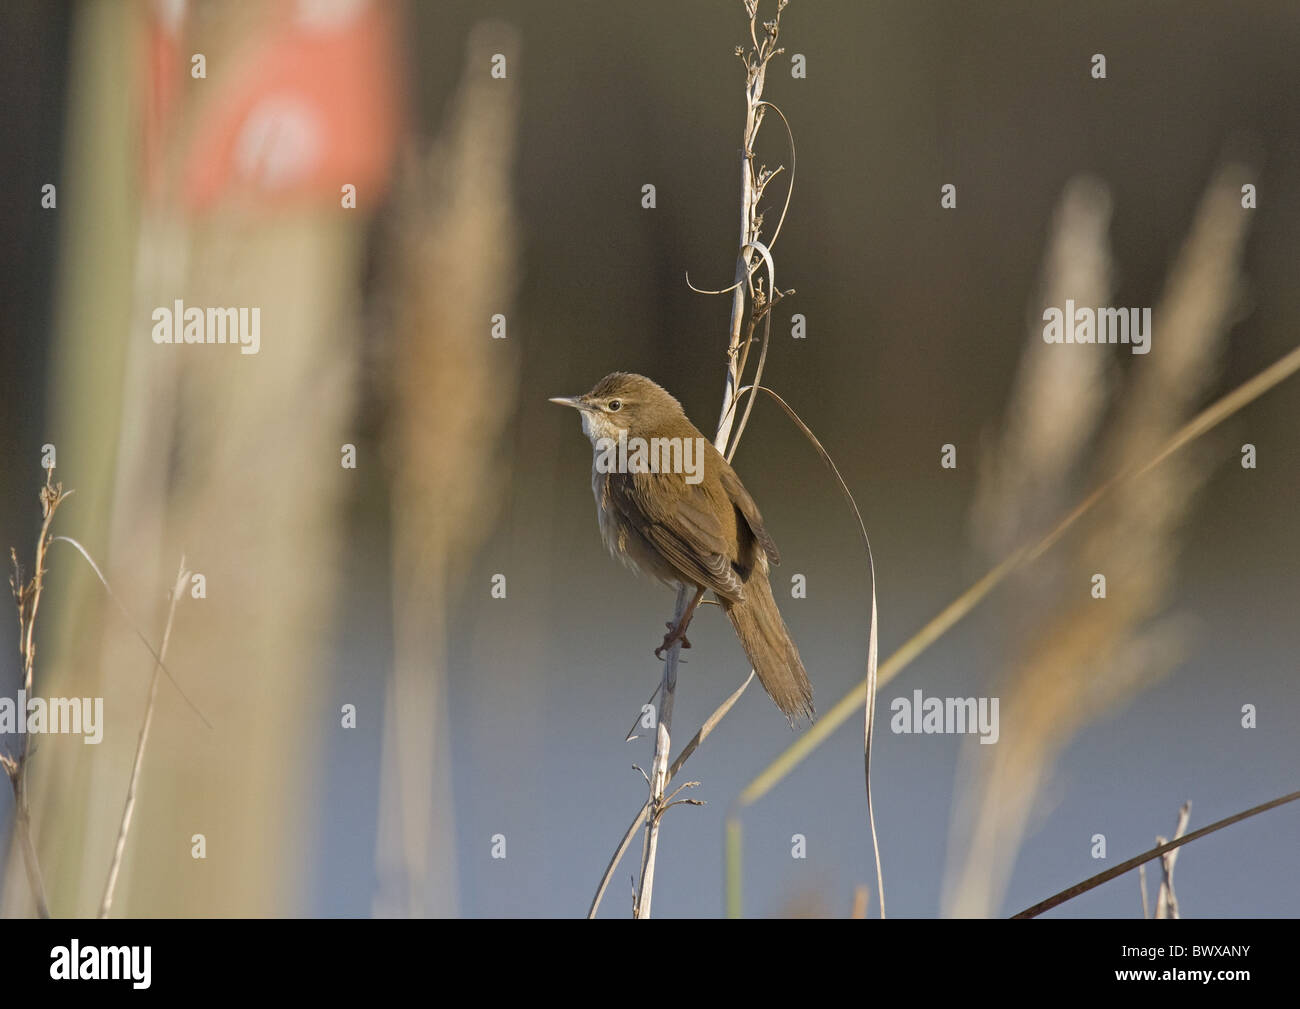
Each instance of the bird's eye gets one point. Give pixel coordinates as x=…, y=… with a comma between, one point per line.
x=615, y=405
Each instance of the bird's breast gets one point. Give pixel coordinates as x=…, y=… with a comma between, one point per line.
x=612, y=530
x=620, y=536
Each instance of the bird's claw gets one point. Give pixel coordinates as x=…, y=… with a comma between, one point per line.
x=674, y=634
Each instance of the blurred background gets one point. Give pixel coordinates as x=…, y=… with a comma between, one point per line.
x=437, y=208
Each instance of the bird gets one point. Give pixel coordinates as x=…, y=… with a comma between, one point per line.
x=671, y=507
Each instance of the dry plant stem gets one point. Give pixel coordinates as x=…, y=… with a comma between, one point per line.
x=1166, y=902
x=869, y=700
x=135, y=628
x=742, y=264
x=128, y=807
x=1092, y=882
x=869, y=732
x=659, y=770
x=23, y=825
x=750, y=193
x=1162, y=894
x=682, y=757
x=632, y=733
x=51, y=497
x=763, y=309
x=28, y=597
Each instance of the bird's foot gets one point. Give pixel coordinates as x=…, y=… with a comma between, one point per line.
x=674, y=634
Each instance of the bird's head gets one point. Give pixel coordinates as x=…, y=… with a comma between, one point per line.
x=626, y=402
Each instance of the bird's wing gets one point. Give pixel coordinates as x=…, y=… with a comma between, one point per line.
x=682, y=527
x=741, y=499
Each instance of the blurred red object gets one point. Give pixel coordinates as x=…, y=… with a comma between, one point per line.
x=308, y=103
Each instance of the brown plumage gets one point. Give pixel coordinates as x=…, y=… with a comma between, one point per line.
x=693, y=524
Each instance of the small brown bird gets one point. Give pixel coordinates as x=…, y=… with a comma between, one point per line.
x=671, y=506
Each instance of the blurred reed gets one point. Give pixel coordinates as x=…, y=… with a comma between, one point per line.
x=1076, y=657
x=453, y=267
x=232, y=459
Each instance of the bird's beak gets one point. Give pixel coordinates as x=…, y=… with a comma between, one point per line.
x=573, y=401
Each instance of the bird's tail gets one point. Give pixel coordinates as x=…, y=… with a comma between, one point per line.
x=770, y=648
